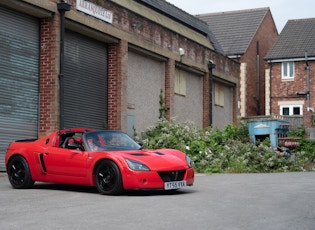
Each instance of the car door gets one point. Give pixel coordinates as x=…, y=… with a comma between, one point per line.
x=66, y=162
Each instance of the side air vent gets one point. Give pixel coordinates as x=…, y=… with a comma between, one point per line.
x=158, y=153
x=41, y=157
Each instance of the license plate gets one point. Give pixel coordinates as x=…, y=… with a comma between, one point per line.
x=174, y=185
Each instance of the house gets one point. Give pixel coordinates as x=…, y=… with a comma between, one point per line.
x=105, y=64
x=246, y=36
x=290, y=71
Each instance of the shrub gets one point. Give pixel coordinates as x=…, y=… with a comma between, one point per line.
x=229, y=150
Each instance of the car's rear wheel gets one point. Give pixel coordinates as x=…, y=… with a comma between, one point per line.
x=108, y=178
x=19, y=173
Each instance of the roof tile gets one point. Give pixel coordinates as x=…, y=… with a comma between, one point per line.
x=235, y=29
x=296, y=38
x=183, y=17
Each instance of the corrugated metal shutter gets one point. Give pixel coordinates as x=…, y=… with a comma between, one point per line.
x=85, y=82
x=19, y=77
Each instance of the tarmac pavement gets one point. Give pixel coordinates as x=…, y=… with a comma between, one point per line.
x=279, y=201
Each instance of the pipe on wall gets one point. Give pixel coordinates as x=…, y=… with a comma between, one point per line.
x=257, y=79
x=307, y=68
x=62, y=8
x=211, y=66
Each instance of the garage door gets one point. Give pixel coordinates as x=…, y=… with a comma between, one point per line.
x=19, y=75
x=85, y=82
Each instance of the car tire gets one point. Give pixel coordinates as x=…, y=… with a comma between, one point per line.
x=108, y=178
x=19, y=173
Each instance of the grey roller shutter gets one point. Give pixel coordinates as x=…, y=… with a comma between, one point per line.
x=19, y=78
x=85, y=82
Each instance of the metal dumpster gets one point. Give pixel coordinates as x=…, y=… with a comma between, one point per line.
x=261, y=129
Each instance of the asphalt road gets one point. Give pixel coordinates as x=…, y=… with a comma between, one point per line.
x=281, y=201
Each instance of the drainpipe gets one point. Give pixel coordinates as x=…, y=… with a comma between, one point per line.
x=257, y=79
x=211, y=66
x=307, y=68
x=62, y=6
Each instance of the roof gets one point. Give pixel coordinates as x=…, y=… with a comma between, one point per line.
x=235, y=29
x=183, y=17
x=296, y=38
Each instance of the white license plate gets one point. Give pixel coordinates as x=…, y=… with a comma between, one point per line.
x=174, y=185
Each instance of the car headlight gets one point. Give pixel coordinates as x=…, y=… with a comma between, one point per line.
x=137, y=166
x=190, y=164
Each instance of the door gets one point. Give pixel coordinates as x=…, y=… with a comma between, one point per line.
x=65, y=162
x=19, y=78
x=85, y=82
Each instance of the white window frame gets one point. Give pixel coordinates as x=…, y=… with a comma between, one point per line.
x=287, y=70
x=291, y=109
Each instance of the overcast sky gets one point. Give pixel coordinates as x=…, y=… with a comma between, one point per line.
x=281, y=10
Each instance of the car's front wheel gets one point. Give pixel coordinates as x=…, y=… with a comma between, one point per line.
x=19, y=173
x=108, y=178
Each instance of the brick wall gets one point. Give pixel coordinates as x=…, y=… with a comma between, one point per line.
x=264, y=39
x=286, y=90
x=153, y=37
x=49, y=84
x=152, y=34
x=230, y=71
x=117, y=73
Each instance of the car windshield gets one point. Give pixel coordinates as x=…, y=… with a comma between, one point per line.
x=109, y=140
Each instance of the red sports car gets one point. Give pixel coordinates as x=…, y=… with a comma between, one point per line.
x=109, y=160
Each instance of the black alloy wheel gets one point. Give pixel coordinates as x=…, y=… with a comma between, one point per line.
x=19, y=173
x=108, y=178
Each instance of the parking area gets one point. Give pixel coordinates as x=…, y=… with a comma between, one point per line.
x=219, y=201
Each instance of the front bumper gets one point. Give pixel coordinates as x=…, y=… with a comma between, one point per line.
x=155, y=179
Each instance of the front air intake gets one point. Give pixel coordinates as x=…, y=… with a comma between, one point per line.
x=168, y=176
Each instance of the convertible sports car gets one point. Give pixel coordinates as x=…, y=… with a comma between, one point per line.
x=109, y=160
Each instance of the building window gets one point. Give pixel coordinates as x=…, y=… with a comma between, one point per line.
x=180, y=83
x=288, y=70
x=291, y=110
x=218, y=94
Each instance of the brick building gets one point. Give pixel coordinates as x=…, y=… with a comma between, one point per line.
x=290, y=74
x=246, y=36
x=104, y=64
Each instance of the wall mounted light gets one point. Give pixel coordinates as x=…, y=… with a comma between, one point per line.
x=181, y=52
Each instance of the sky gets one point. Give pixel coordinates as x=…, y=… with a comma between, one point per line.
x=281, y=10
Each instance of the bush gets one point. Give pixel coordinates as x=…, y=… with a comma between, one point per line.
x=225, y=151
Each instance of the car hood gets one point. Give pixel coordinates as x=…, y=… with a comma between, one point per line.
x=161, y=159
